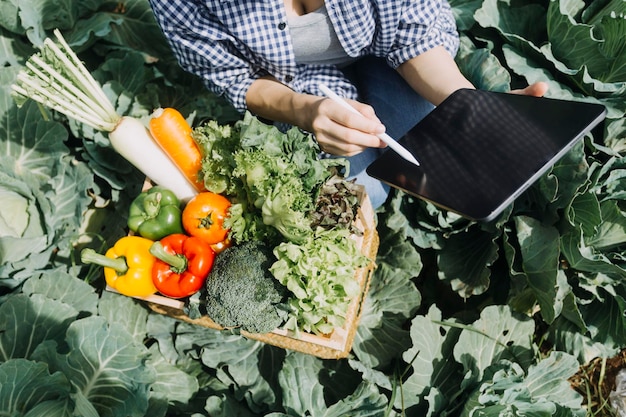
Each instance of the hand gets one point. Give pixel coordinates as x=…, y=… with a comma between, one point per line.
x=341, y=132
x=337, y=130
x=537, y=89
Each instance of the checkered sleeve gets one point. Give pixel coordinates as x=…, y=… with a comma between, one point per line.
x=311, y=76
x=424, y=25
x=203, y=49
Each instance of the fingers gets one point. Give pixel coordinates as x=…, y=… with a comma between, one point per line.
x=367, y=111
x=538, y=89
x=342, y=132
x=346, y=142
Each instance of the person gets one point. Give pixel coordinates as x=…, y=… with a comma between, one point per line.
x=392, y=59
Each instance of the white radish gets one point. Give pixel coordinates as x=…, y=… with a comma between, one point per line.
x=133, y=141
x=57, y=79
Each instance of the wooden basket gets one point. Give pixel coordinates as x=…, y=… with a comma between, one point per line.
x=334, y=346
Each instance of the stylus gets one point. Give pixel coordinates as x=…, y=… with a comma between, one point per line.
x=401, y=150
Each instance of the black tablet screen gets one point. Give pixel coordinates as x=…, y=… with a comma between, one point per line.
x=479, y=150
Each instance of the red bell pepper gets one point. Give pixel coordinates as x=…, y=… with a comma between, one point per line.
x=182, y=264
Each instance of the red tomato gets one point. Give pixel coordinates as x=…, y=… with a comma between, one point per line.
x=220, y=246
x=204, y=215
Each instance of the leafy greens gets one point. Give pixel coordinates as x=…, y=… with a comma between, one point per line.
x=276, y=181
x=263, y=170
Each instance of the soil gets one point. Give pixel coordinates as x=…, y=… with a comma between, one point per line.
x=595, y=381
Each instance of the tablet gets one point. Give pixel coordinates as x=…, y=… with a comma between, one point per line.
x=480, y=150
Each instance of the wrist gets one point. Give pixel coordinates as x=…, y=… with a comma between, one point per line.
x=303, y=109
x=275, y=101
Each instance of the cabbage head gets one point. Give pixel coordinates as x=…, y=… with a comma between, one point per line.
x=43, y=191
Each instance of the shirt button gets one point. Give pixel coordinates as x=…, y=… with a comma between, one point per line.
x=282, y=25
x=288, y=78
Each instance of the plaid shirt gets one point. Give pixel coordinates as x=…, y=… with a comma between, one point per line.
x=231, y=43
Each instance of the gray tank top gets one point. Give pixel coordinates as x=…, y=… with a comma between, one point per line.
x=315, y=40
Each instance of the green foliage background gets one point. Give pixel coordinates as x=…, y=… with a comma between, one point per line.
x=462, y=318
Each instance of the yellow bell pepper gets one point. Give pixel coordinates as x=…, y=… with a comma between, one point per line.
x=127, y=266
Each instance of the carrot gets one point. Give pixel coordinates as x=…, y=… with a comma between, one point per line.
x=172, y=132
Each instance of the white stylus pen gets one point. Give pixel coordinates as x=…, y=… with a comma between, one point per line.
x=401, y=150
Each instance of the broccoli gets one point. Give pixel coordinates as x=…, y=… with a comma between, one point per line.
x=242, y=292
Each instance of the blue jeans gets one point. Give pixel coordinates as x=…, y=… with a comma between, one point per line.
x=396, y=104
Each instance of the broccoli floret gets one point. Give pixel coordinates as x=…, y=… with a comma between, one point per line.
x=242, y=292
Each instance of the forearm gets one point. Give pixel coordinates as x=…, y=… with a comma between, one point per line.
x=273, y=100
x=337, y=130
x=434, y=75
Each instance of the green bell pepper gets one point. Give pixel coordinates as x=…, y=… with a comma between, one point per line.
x=155, y=213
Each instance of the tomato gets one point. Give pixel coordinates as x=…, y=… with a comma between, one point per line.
x=220, y=246
x=204, y=215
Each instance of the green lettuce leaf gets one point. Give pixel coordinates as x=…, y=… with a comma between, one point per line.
x=319, y=272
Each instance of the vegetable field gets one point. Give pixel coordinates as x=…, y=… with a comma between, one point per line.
x=521, y=316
